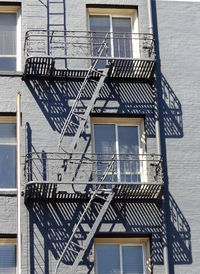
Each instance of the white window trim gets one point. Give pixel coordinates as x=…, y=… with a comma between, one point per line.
x=17, y=10
x=143, y=241
x=117, y=121
x=10, y=120
x=119, y=13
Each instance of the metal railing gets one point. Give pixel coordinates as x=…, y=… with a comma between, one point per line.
x=91, y=168
x=85, y=45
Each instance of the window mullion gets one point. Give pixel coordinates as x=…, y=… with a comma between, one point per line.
x=121, y=262
x=111, y=37
x=117, y=151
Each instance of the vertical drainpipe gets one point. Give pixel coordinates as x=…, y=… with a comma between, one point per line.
x=18, y=183
x=158, y=142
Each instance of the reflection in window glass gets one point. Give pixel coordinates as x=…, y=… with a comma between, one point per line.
x=7, y=155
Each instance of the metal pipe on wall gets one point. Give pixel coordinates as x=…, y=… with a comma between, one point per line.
x=18, y=183
x=158, y=141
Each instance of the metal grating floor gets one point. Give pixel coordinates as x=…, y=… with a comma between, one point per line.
x=36, y=67
x=42, y=191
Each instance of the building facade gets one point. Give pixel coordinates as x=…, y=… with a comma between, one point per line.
x=99, y=136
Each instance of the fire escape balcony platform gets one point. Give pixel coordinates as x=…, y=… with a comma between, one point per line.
x=57, y=54
x=48, y=191
x=75, y=176
x=43, y=67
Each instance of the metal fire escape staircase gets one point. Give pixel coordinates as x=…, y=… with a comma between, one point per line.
x=76, y=120
x=102, y=198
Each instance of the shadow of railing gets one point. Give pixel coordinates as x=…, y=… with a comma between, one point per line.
x=171, y=111
x=51, y=225
x=129, y=98
x=180, y=235
x=177, y=235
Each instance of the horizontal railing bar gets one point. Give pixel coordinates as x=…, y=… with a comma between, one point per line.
x=95, y=183
x=90, y=154
x=92, y=58
x=92, y=37
x=79, y=31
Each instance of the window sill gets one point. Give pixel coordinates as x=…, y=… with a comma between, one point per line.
x=11, y=73
x=8, y=192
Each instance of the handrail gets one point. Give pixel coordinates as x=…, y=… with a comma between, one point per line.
x=84, y=43
x=91, y=167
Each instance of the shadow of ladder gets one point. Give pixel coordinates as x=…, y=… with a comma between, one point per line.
x=72, y=244
x=74, y=118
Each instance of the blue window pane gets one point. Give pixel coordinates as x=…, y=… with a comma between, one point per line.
x=7, y=259
x=108, y=259
x=8, y=23
x=104, y=136
x=7, y=155
x=7, y=166
x=8, y=63
x=8, y=133
x=132, y=259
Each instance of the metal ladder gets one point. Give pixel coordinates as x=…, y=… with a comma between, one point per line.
x=56, y=15
x=106, y=196
x=56, y=21
x=75, y=119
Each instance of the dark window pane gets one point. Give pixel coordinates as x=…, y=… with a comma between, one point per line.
x=7, y=259
x=7, y=155
x=7, y=133
x=7, y=166
x=108, y=259
x=8, y=22
x=105, y=140
x=105, y=147
x=8, y=64
x=132, y=259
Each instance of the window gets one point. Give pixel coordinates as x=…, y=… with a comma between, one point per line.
x=123, y=139
x=9, y=38
x=119, y=26
x=122, y=256
x=7, y=255
x=7, y=152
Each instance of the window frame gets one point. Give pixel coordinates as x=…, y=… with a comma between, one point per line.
x=118, y=13
x=125, y=121
x=10, y=120
x=10, y=241
x=17, y=10
x=128, y=241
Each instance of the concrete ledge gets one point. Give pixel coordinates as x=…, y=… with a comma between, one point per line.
x=11, y=73
x=8, y=192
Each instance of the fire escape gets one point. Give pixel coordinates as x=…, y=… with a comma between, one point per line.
x=72, y=176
